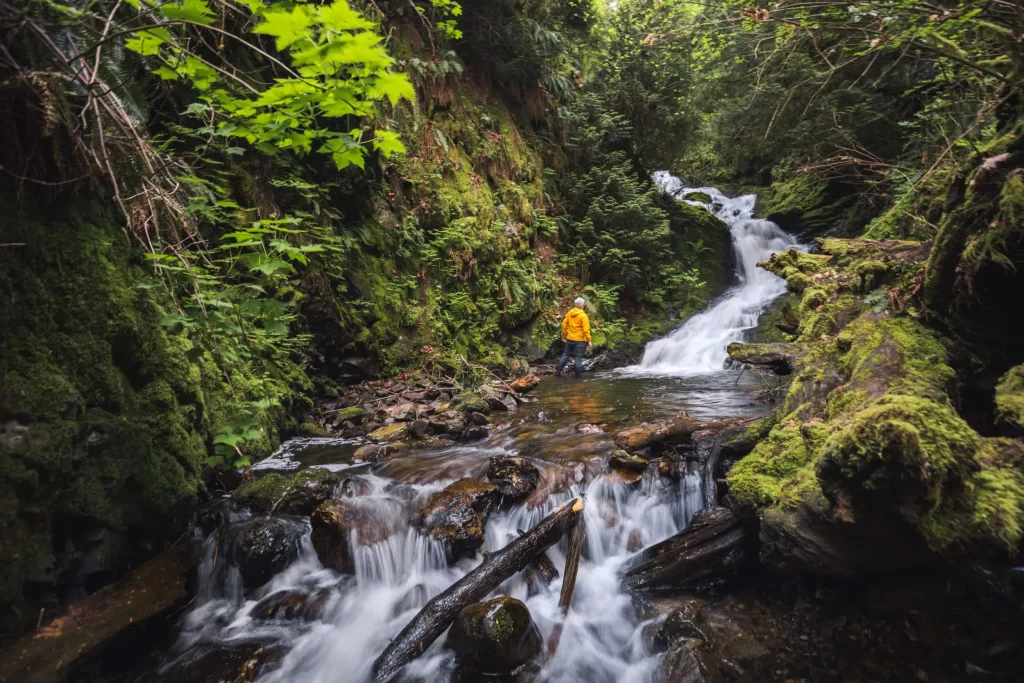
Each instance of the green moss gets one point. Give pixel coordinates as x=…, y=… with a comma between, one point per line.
x=901, y=441
x=313, y=429
x=1010, y=396
x=761, y=475
x=352, y=413
x=262, y=494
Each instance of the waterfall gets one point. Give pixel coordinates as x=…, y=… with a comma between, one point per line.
x=699, y=344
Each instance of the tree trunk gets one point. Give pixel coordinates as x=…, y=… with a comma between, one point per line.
x=439, y=613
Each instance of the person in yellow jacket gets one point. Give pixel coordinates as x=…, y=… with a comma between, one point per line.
x=576, y=335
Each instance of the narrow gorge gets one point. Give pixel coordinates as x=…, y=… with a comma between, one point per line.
x=283, y=287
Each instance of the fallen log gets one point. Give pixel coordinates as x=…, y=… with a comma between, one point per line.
x=577, y=537
x=779, y=357
x=679, y=429
x=717, y=545
x=439, y=613
x=112, y=614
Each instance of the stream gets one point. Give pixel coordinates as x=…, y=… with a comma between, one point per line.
x=567, y=432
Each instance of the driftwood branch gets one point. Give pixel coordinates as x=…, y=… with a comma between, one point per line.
x=572, y=565
x=439, y=613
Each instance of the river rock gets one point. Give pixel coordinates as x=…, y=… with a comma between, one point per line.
x=479, y=420
x=393, y=432
x=457, y=514
x=371, y=452
x=524, y=384
x=470, y=403
x=475, y=432
x=402, y=411
x=336, y=524
x=515, y=477
x=419, y=429
x=292, y=604
x=264, y=547
x=495, y=637
x=621, y=460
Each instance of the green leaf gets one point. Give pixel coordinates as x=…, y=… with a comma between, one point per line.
x=287, y=27
x=195, y=11
x=147, y=43
x=338, y=16
x=393, y=85
x=387, y=143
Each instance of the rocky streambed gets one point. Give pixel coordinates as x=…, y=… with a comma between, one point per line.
x=309, y=571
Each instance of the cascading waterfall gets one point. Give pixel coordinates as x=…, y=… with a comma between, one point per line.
x=394, y=578
x=699, y=344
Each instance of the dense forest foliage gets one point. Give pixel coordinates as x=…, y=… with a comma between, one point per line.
x=219, y=211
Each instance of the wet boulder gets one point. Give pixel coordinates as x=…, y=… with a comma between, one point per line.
x=338, y=525
x=457, y=514
x=264, y=547
x=292, y=604
x=494, y=637
x=515, y=477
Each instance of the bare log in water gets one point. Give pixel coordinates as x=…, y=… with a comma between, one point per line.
x=679, y=429
x=439, y=613
x=717, y=545
x=572, y=566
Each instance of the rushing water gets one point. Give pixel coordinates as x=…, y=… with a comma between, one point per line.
x=568, y=434
x=699, y=344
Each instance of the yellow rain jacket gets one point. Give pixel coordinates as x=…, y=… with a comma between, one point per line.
x=576, y=326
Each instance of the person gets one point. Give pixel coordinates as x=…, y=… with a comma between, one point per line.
x=576, y=335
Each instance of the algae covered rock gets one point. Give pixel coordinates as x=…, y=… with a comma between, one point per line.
x=340, y=525
x=495, y=637
x=350, y=414
x=298, y=495
x=470, y=403
x=390, y=433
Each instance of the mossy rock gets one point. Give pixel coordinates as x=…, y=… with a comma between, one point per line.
x=470, y=403
x=351, y=414
x=261, y=495
x=313, y=429
x=390, y=433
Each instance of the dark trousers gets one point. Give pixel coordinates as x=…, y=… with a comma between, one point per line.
x=576, y=348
